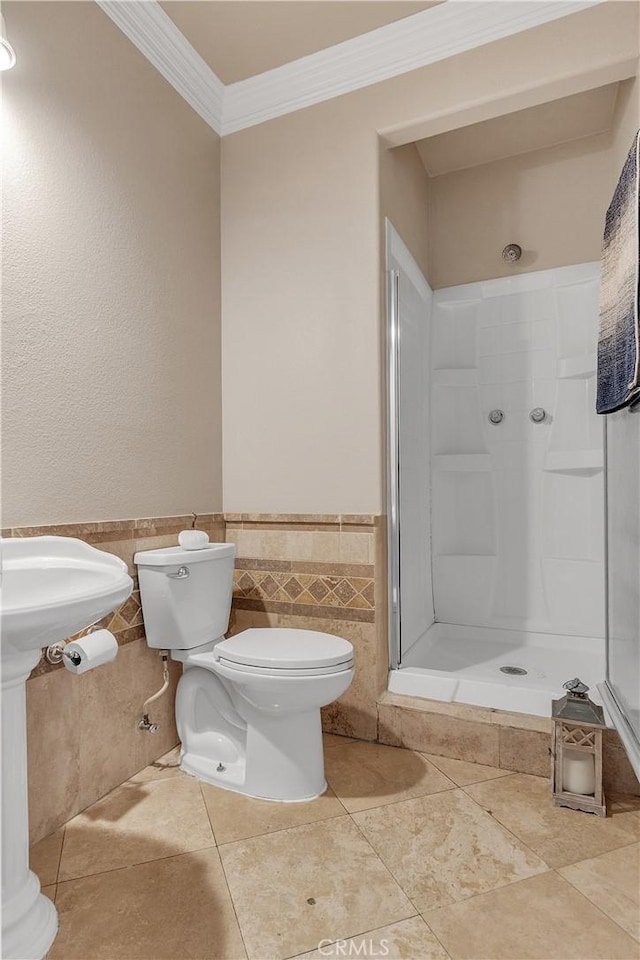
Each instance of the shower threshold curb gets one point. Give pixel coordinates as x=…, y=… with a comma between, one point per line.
x=514, y=742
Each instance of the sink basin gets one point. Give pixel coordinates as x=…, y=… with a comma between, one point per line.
x=54, y=586
x=51, y=587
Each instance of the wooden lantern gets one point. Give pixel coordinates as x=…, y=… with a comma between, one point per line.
x=576, y=751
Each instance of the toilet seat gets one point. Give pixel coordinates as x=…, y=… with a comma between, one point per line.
x=286, y=652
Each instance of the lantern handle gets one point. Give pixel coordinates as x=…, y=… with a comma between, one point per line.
x=576, y=688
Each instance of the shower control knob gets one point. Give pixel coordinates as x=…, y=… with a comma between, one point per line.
x=538, y=415
x=496, y=416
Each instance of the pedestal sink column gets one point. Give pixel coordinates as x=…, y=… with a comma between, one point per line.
x=29, y=919
x=52, y=587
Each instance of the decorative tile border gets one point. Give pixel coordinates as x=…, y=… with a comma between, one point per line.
x=307, y=566
x=305, y=588
x=305, y=519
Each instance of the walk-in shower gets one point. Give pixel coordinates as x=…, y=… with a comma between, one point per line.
x=496, y=485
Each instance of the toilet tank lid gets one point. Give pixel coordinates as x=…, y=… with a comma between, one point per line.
x=170, y=556
x=284, y=648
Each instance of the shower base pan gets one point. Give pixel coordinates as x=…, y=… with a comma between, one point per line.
x=503, y=669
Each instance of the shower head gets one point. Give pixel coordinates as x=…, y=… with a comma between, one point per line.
x=511, y=253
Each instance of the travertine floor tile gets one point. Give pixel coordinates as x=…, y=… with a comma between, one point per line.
x=50, y=891
x=444, y=848
x=174, y=909
x=335, y=740
x=366, y=775
x=160, y=769
x=234, y=817
x=543, y=918
x=612, y=882
x=322, y=881
x=135, y=823
x=408, y=940
x=44, y=857
x=463, y=773
x=522, y=803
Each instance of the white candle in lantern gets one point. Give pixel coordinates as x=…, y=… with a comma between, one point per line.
x=578, y=772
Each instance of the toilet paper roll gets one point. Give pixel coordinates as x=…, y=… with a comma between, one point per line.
x=193, y=539
x=93, y=650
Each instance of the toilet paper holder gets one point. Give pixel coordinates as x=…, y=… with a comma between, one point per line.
x=56, y=652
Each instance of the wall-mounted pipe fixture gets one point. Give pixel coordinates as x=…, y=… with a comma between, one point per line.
x=512, y=253
x=146, y=723
x=7, y=53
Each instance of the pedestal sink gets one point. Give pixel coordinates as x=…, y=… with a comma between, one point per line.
x=52, y=587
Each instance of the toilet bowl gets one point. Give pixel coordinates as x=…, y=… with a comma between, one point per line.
x=247, y=708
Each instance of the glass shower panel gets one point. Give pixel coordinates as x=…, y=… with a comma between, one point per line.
x=623, y=559
x=409, y=481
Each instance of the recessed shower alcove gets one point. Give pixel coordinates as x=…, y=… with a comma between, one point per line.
x=496, y=455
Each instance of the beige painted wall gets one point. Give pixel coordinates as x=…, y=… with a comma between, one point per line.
x=110, y=280
x=301, y=260
x=626, y=122
x=405, y=198
x=552, y=202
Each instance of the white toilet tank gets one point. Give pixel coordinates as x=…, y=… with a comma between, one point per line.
x=185, y=594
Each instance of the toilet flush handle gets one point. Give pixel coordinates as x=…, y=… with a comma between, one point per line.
x=182, y=574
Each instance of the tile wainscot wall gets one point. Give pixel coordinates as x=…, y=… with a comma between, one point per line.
x=82, y=731
x=319, y=572
x=312, y=572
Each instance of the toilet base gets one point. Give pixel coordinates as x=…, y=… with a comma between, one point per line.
x=205, y=770
x=281, y=759
x=253, y=743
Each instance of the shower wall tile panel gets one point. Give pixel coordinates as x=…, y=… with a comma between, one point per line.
x=518, y=530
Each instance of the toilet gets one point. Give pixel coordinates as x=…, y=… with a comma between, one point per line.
x=247, y=708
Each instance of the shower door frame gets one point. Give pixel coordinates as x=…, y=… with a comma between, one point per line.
x=606, y=689
x=396, y=250
x=393, y=444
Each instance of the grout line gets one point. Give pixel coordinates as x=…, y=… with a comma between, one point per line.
x=506, y=829
x=591, y=902
x=139, y=863
x=206, y=810
x=395, y=879
x=271, y=833
x=620, y=846
x=473, y=896
x=64, y=835
x=233, y=903
x=293, y=826
x=386, y=867
x=391, y=803
x=362, y=933
x=432, y=758
x=628, y=843
x=338, y=799
x=435, y=936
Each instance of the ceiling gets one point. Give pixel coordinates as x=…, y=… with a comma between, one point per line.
x=241, y=39
x=559, y=121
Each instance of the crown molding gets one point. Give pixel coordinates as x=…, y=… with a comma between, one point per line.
x=408, y=44
x=397, y=48
x=156, y=36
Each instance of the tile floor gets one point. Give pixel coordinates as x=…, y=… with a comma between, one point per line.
x=406, y=856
